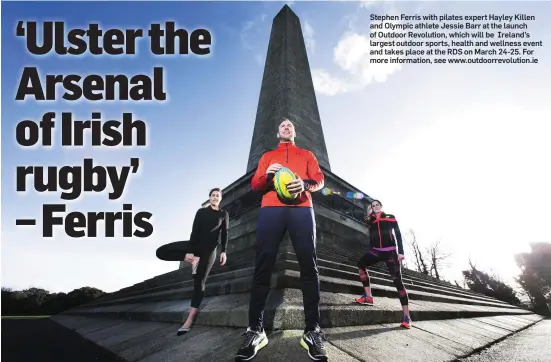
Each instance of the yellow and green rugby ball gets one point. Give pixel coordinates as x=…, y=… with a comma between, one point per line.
x=281, y=179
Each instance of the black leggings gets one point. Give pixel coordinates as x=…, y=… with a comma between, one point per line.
x=391, y=260
x=177, y=251
x=206, y=262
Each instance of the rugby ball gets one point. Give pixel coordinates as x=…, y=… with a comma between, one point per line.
x=281, y=179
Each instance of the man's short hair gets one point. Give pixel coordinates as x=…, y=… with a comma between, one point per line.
x=283, y=120
x=215, y=189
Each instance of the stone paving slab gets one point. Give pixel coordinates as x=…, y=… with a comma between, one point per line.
x=530, y=345
x=458, y=331
x=427, y=341
x=487, y=329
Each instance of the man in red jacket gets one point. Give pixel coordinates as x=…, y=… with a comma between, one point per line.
x=275, y=218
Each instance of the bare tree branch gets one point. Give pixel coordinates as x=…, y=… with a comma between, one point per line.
x=437, y=259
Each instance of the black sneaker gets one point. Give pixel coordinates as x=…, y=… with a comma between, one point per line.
x=312, y=341
x=254, y=341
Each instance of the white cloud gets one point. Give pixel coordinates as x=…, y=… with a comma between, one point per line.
x=250, y=29
x=330, y=85
x=251, y=33
x=368, y=3
x=352, y=55
x=308, y=34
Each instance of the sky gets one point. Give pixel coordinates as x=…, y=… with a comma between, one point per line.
x=456, y=152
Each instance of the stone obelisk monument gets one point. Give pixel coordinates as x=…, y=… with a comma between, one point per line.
x=287, y=91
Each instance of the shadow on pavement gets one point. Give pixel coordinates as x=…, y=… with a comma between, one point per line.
x=41, y=339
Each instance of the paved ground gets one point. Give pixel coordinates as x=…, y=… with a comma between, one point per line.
x=41, y=339
x=30, y=340
x=530, y=345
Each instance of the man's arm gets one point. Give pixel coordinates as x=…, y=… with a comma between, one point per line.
x=194, y=238
x=398, y=237
x=315, y=180
x=261, y=181
x=224, y=232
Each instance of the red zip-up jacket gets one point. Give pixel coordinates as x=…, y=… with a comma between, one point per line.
x=380, y=232
x=301, y=162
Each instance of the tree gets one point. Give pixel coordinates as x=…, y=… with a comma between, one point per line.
x=431, y=260
x=491, y=286
x=437, y=258
x=535, y=276
x=36, y=301
x=419, y=259
x=34, y=297
x=12, y=301
x=83, y=296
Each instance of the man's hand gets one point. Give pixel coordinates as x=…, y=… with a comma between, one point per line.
x=400, y=257
x=296, y=186
x=223, y=259
x=273, y=168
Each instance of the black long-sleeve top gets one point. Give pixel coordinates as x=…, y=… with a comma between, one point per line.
x=380, y=232
x=210, y=228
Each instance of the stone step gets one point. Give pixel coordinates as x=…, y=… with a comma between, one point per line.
x=337, y=285
x=324, y=252
x=173, y=279
x=353, y=260
x=348, y=272
x=334, y=270
x=182, y=279
x=182, y=276
x=383, y=276
x=187, y=284
x=284, y=310
x=406, y=273
x=287, y=278
x=243, y=259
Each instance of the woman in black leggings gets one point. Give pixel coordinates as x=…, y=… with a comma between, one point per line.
x=210, y=225
x=210, y=228
x=383, y=248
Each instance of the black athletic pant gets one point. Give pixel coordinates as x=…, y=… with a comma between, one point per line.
x=206, y=262
x=177, y=251
x=271, y=227
x=391, y=259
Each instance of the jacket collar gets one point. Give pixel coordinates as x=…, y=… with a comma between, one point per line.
x=284, y=145
x=382, y=216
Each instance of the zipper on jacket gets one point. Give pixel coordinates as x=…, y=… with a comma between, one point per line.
x=379, y=228
x=287, y=152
